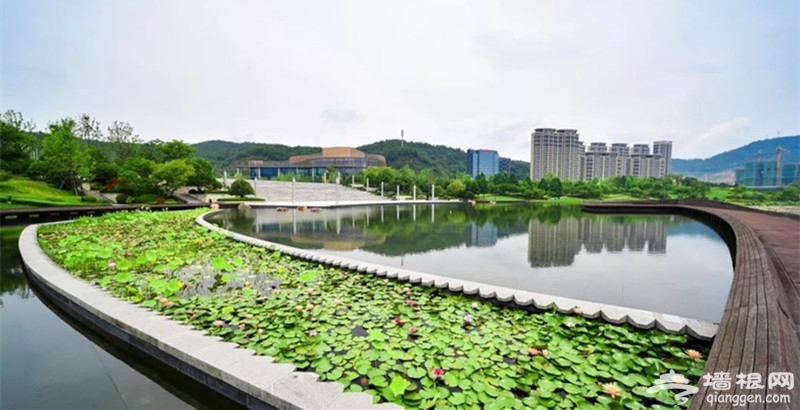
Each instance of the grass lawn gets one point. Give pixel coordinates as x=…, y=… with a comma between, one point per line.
x=5, y=205
x=620, y=197
x=24, y=191
x=718, y=193
x=499, y=198
x=564, y=200
x=413, y=345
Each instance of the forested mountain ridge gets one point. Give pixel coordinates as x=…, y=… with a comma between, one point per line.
x=227, y=154
x=736, y=158
x=448, y=161
x=442, y=160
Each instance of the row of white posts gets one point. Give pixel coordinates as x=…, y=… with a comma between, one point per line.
x=338, y=183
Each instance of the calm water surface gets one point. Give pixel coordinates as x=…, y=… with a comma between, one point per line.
x=664, y=263
x=50, y=362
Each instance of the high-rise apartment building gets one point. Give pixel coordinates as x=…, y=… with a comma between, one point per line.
x=621, y=149
x=556, y=151
x=640, y=150
x=598, y=147
x=664, y=148
x=482, y=161
x=600, y=165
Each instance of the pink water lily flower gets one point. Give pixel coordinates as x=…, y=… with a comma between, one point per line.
x=468, y=318
x=411, y=302
x=397, y=321
x=112, y=265
x=312, y=333
x=413, y=329
x=438, y=372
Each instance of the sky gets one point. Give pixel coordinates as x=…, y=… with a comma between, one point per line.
x=710, y=75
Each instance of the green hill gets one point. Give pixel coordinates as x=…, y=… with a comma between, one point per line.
x=226, y=154
x=736, y=158
x=450, y=161
x=419, y=155
x=441, y=159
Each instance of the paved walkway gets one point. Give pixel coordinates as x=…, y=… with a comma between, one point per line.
x=309, y=193
x=277, y=191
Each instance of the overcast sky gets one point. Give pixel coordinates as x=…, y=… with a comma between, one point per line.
x=709, y=75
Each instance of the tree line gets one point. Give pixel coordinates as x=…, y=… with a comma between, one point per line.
x=465, y=187
x=74, y=151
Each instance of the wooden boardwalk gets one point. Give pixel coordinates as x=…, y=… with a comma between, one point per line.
x=760, y=327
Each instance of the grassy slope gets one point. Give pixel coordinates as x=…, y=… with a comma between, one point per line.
x=498, y=198
x=718, y=193
x=24, y=191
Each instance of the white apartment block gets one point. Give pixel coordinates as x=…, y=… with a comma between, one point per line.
x=556, y=151
x=664, y=148
x=560, y=152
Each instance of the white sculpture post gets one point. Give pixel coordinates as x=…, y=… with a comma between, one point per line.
x=293, y=181
x=415, y=196
x=381, y=191
x=338, y=180
x=367, y=184
x=352, y=180
x=433, y=192
x=398, y=193
x=255, y=178
x=225, y=178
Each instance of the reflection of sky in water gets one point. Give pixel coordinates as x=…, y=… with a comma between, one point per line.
x=663, y=263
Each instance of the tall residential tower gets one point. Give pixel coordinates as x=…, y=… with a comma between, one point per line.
x=664, y=148
x=557, y=152
x=561, y=153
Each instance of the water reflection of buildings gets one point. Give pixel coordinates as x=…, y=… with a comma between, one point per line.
x=331, y=229
x=557, y=244
x=481, y=236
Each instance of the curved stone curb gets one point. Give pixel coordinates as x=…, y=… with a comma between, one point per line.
x=239, y=374
x=641, y=319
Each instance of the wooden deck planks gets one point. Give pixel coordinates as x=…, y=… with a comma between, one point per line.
x=760, y=328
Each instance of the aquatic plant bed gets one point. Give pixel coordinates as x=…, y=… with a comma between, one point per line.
x=416, y=346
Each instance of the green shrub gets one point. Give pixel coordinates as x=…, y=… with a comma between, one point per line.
x=145, y=199
x=241, y=188
x=122, y=198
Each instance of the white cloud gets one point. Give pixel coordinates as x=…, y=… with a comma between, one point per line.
x=339, y=115
x=464, y=74
x=722, y=137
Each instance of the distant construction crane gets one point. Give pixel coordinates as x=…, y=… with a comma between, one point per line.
x=778, y=163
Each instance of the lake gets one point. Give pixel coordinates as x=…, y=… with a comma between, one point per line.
x=663, y=263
